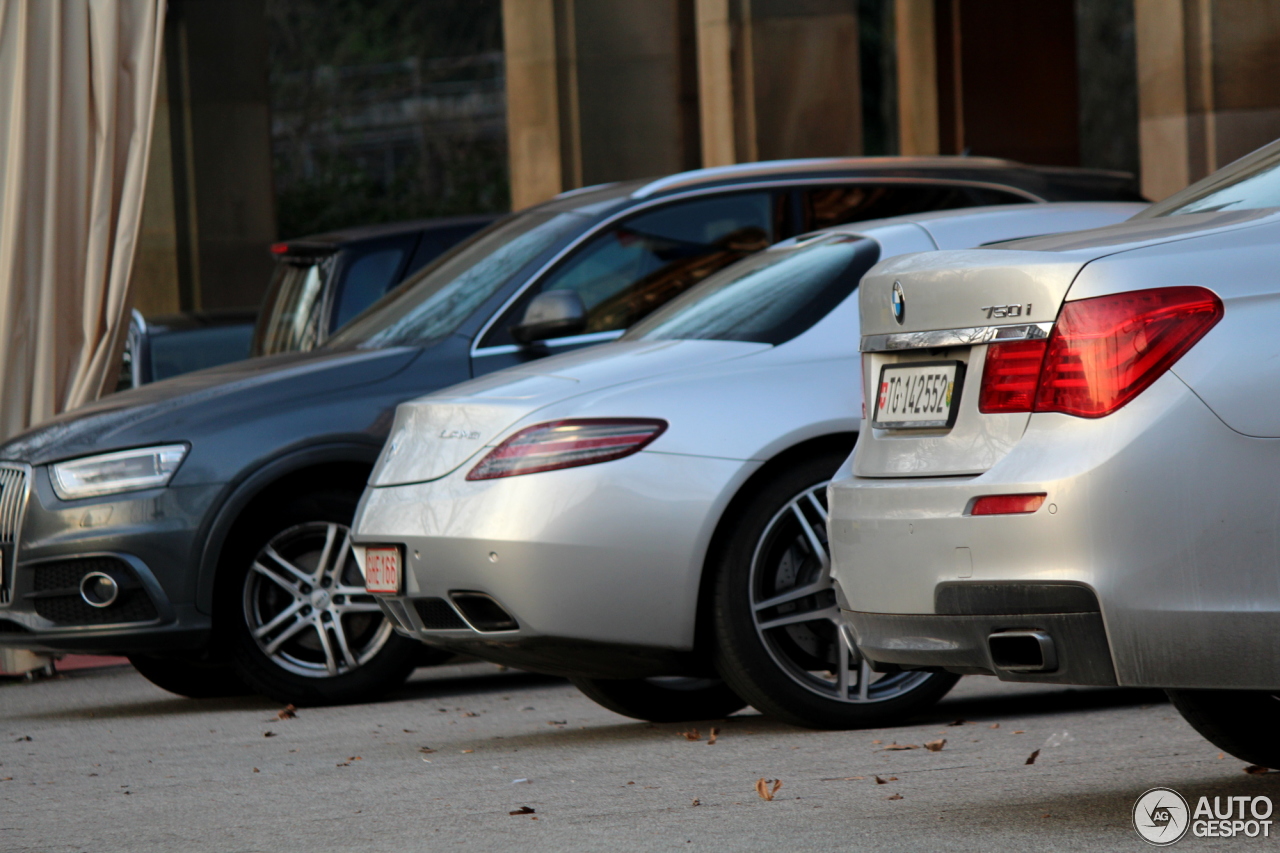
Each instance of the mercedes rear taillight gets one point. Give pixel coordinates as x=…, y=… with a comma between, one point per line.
x=567, y=444
x=1101, y=354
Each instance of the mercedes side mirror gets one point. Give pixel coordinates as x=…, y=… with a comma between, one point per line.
x=551, y=314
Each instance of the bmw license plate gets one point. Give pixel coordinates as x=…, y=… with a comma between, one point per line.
x=382, y=570
x=918, y=395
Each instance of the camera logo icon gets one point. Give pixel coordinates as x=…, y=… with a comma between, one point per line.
x=1161, y=816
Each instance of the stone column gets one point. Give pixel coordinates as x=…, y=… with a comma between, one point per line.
x=917, y=77
x=1207, y=92
x=778, y=79
x=533, y=100
x=597, y=91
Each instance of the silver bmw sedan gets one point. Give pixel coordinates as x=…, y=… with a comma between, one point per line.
x=1069, y=470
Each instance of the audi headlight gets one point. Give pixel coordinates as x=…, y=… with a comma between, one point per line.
x=123, y=471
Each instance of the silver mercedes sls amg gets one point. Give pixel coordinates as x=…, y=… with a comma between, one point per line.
x=649, y=517
x=1070, y=469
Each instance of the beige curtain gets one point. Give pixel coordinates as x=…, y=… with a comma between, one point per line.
x=77, y=100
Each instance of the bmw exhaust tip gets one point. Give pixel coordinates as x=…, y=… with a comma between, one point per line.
x=99, y=589
x=1022, y=651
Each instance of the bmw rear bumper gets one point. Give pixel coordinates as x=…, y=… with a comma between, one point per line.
x=1180, y=558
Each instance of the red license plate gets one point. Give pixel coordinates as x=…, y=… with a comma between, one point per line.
x=382, y=569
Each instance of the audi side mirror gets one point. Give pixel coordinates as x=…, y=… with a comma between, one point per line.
x=551, y=314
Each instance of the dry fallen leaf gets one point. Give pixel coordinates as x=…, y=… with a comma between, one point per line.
x=894, y=797
x=557, y=722
x=765, y=791
x=935, y=745
x=523, y=810
x=711, y=738
x=1031, y=759
x=696, y=802
x=994, y=726
x=1019, y=732
x=880, y=781
x=464, y=751
x=1256, y=770
x=692, y=734
x=410, y=731
x=877, y=741
x=428, y=750
x=268, y=734
x=256, y=770
x=896, y=745
x=1221, y=755
x=288, y=712
x=960, y=722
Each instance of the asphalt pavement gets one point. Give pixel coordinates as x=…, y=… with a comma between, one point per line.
x=100, y=760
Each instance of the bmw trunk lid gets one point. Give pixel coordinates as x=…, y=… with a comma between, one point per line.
x=926, y=323
x=928, y=320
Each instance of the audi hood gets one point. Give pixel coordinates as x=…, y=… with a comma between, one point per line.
x=202, y=403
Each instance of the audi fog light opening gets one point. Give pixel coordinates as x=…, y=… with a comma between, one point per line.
x=1101, y=353
x=567, y=444
x=123, y=471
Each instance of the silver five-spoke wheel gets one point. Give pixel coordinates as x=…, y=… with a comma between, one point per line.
x=305, y=604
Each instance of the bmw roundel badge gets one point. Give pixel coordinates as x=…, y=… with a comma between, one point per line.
x=899, y=303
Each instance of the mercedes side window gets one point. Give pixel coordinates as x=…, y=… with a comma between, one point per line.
x=644, y=261
x=825, y=207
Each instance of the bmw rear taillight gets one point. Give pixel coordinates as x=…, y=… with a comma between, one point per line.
x=1010, y=375
x=1101, y=354
x=1105, y=351
x=567, y=444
